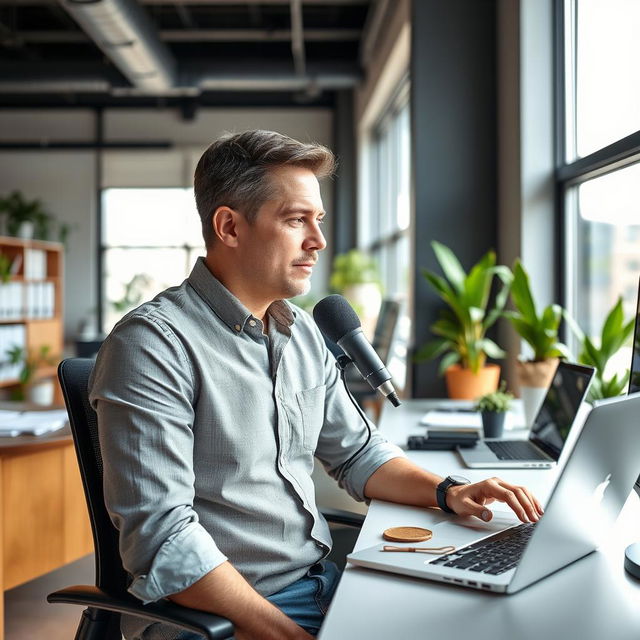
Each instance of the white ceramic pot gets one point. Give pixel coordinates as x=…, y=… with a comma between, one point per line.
x=41, y=393
x=25, y=230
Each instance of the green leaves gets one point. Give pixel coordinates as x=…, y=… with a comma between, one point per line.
x=615, y=333
x=353, y=267
x=539, y=331
x=463, y=325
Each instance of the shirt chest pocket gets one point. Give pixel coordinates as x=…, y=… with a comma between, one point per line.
x=311, y=407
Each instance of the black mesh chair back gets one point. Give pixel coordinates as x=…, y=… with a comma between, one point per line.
x=74, y=377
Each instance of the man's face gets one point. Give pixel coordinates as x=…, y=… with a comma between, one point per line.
x=278, y=250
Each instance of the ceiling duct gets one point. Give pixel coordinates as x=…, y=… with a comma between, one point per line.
x=127, y=36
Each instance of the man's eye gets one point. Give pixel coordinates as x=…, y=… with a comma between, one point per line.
x=297, y=220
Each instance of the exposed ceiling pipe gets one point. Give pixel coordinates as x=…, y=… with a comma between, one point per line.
x=194, y=35
x=297, y=38
x=127, y=36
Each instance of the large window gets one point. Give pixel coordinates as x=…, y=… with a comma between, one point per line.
x=389, y=215
x=385, y=224
x=599, y=173
x=150, y=240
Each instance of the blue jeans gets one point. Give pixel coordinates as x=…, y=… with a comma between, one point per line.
x=305, y=601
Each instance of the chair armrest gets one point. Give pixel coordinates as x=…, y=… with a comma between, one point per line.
x=211, y=626
x=338, y=516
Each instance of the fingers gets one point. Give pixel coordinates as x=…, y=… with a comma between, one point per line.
x=521, y=500
x=473, y=499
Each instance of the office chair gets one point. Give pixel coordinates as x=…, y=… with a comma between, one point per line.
x=109, y=598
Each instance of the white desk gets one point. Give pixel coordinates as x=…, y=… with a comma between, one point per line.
x=592, y=599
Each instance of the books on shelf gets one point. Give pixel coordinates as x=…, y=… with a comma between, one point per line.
x=37, y=423
x=27, y=300
x=40, y=300
x=35, y=264
x=11, y=300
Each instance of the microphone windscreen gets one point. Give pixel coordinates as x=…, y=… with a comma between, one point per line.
x=335, y=317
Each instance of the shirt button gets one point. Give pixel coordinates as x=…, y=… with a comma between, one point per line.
x=237, y=327
x=252, y=323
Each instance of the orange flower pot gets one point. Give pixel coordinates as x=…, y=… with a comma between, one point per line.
x=463, y=384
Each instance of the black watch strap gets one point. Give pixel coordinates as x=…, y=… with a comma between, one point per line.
x=443, y=487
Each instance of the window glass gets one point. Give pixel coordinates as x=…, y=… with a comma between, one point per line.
x=607, y=51
x=390, y=216
x=150, y=240
x=607, y=257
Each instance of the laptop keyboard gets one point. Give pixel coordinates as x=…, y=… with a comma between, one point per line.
x=515, y=450
x=493, y=555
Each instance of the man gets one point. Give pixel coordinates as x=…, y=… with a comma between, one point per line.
x=214, y=397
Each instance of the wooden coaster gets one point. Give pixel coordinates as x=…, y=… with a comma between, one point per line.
x=407, y=534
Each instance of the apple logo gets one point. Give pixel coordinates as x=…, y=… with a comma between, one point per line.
x=598, y=493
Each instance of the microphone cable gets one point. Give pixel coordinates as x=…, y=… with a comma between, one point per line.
x=342, y=362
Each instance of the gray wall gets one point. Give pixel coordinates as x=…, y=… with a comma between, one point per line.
x=454, y=133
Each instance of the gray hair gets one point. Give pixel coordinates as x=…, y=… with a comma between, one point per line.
x=234, y=172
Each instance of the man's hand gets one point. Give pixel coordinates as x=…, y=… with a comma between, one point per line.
x=472, y=499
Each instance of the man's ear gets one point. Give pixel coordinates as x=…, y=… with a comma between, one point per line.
x=225, y=225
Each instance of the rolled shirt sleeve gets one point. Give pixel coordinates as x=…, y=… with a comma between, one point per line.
x=143, y=392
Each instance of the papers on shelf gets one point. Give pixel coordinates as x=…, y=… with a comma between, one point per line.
x=37, y=423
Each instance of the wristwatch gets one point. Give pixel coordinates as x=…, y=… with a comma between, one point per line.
x=443, y=487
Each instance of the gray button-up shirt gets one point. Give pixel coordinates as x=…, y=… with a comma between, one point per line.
x=208, y=430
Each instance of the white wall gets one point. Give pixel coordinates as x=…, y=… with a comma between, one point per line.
x=66, y=180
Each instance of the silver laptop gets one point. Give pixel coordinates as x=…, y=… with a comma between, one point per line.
x=548, y=433
x=596, y=476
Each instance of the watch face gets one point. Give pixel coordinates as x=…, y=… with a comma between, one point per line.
x=460, y=480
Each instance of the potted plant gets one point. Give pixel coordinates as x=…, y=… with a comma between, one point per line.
x=493, y=408
x=462, y=327
x=540, y=332
x=38, y=391
x=616, y=331
x=28, y=219
x=355, y=275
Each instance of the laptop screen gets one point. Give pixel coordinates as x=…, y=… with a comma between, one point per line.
x=634, y=375
x=560, y=407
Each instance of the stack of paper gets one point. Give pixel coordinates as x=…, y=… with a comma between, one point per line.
x=37, y=423
x=466, y=419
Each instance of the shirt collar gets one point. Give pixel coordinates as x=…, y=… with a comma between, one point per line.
x=226, y=306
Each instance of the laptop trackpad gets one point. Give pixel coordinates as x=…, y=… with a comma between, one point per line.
x=460, y=531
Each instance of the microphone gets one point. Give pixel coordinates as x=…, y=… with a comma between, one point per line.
x=340, y=323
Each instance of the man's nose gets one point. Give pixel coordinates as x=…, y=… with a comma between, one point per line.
x=315, y=239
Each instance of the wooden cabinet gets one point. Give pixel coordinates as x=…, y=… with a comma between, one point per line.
x=43, y=515
x=31, y=300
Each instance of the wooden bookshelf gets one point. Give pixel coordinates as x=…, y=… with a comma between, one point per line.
x=32, y=299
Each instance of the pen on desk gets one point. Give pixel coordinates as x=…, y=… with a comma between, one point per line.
x=433, y=550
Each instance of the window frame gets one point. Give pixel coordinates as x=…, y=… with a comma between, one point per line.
x=571, y=174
